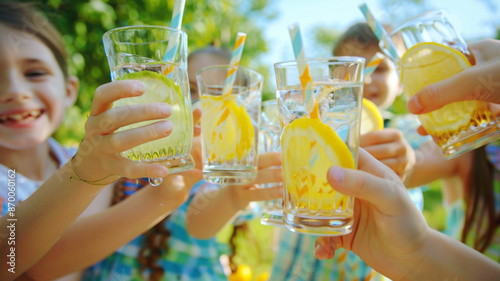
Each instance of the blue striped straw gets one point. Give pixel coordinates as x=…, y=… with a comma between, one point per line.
x=304, y=74
x=173, y=41
x=373, y=64
x=234, y=63
x=379, y=32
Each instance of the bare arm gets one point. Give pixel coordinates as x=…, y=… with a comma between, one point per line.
x=445, y=258
x=48, y=212
x=391, y=235
x=41, y=219
x=212, y=208
x=430, y=165
x=93, y=238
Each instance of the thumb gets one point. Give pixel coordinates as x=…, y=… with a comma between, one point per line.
x=480, y=82
x=381, y=192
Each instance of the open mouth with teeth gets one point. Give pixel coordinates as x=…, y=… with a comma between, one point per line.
x=20, y=118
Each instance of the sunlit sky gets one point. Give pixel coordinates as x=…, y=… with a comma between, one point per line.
x=474, y=19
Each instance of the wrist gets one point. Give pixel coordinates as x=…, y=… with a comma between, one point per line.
x=95, y=176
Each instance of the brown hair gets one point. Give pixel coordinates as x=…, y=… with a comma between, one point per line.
x=359, y=34
x=26, y=18
x=156, y=237
x=481, y=217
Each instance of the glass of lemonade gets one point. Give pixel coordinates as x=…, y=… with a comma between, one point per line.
x=229, y=127
x=431, y=50
x=311, y=144
x=269, y=141
x=138, y=53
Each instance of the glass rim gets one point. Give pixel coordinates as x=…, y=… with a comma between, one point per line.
x=335, y=59
x=412, y=21
x=105, y=36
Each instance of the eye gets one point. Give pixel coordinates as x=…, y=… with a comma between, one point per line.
x=36, y=73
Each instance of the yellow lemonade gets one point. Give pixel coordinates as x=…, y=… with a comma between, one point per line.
x=310, y=148
x=456, y=124
x=228, y=135
x=174, y=149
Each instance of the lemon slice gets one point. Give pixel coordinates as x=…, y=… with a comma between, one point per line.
x=227, y=130
x=427, y=63
x=310, y=148
x=371, y=118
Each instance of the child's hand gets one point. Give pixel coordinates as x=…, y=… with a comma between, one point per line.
x=175, y=188
x=479, y=82
x=98, y=157
x=269, y=172
x=388, y=229
x=390, y=147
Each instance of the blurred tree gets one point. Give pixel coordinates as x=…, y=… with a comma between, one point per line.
x=82, y=24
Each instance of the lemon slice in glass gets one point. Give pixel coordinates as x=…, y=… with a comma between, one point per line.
x=310, y=148
x=427, y=63
x=226, y=128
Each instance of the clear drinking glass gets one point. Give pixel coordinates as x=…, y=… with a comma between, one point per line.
x=310, y=145
x=229, y=127
x=432, y=50
x=269, y=141
x=138, y=53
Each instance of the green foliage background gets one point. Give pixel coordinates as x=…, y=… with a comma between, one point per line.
x=82, y=24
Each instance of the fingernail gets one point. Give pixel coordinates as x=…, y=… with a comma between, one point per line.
x=163, y=173
x=139, y=87
x=320, y=252
x=414, y=105
x=336, y=174
x=165, y=110
x=166, y=126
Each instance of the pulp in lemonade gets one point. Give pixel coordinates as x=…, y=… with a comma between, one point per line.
x=159, y=89
x=427, y=63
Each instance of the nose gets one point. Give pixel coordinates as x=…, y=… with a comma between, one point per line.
x=14, y=89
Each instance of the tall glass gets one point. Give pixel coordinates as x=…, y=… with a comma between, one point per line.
x=310, y=145
x=269, y=141
x=138, y=53
x=229, y=127
x=431, y=50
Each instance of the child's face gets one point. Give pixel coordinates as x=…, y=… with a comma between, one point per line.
x=33, y=91
x=198, y=62
x=383, y=86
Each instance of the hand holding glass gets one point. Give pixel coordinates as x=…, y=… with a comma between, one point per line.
x=137, y=52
